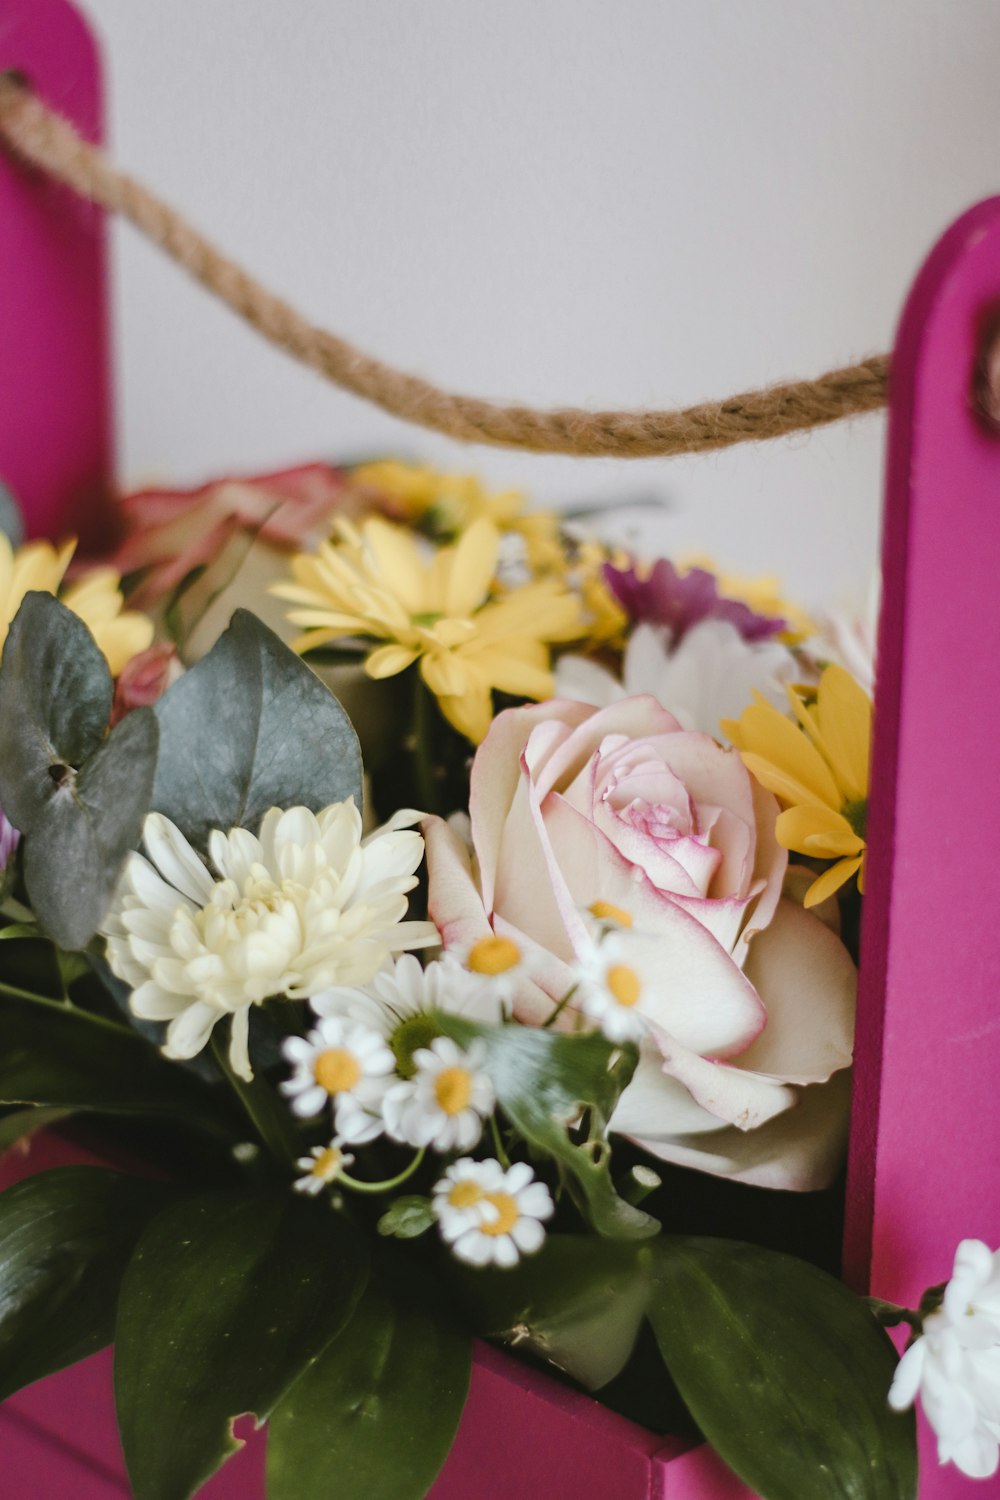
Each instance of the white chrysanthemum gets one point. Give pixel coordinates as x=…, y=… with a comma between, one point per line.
x=346, y=1063
x=304, y=904
x=712, y=674
x=444, y=1104
x=489, y=1216
x=617, y=977
x=954, y=1366
x=321, y=1167
x=407, y=989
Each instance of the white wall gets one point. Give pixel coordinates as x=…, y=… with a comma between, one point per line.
x=566, y=201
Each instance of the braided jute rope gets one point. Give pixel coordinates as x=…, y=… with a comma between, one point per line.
x=46, y=140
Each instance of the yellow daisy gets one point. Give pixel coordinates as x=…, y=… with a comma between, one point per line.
x=821, y=775
x=443, y=505
x=96, y=598
x=433, y=606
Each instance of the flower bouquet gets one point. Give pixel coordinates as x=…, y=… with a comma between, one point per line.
x=535, y=1023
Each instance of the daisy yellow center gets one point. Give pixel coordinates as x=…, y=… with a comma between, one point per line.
x=493, y=955
x=337, y=1070
x=624, y=984
x=606, y=911
x=327, y=1163
x=453, y=1090
x=506, y=1207
x=465, y=1194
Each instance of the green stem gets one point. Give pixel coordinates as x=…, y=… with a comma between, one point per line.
x=65, y=1008
x=560, y=1007
x=389, y=1183
x=890, y=1315
x=423, y=708
x=498, y=1144
x=265, y=1110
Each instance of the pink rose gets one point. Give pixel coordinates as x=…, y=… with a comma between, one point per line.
x=743, y=1073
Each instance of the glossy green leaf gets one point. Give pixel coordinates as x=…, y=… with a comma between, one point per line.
x=785, y=1371
x=543, y=1080
x=579, y=1303
x=227, y=1301
x=61, y=1058
x=377, y=1413
x=407, y=1217
x=65, y=1238
x=261, y=730
x=55, y=701
x=75, y=850
x=18, y=1125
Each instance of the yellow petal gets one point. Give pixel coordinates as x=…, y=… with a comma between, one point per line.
x=473, y=563
x=779, y=782
x=471, y=714
x=397, y=564
x=831, y=880
x=388, y=660
x=844, y=717
x=818, y=831
x=766, y=733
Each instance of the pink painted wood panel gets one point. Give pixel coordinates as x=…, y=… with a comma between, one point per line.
x=925, y=1165
x=55, y=411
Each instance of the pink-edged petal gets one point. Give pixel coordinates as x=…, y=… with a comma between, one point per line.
x=807, y=981
x=530, y=889
x=770, y=866
x=731, y=1094
x=630, y=719
x=496, y=772
x=799, y=1151
x=454, y=903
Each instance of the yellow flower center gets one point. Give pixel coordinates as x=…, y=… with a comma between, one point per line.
x=493, y=955
x=507, y=1214
x=327, y=1163
x=624, y=983
x=465, y=1194
x=453, y=1090
x=606, y=911
x=337, y=1069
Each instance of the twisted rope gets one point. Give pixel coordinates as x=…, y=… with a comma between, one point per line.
x=44, y=139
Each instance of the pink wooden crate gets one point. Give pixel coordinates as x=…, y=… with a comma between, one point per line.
x=925, y=1141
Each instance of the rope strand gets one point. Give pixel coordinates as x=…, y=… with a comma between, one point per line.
x=39, y=136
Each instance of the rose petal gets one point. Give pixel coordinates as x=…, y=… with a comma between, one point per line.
x=807, y=981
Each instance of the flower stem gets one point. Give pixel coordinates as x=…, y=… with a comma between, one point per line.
x=388, y=1184
x=427, y=788
x=890, y=1315
x=498, y=1144
x=267, y=1113
x=560, y=1007
x=65, y=1007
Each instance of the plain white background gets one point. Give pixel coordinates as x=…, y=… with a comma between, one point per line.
x=631, y=203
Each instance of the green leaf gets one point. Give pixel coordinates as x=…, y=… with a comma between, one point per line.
x=377, y=1414
x=407, y=1217
x=543, y=1079
x=18, y=1124
x=227, y=1300
x=249, y=728
x=63, y=1058
x=785, y=1371
x=55, y=701
x=65, y=1238
x=579, y=1303
x=76, y=848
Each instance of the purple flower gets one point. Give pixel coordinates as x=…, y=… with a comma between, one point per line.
x=681, y=600
x=9, y=838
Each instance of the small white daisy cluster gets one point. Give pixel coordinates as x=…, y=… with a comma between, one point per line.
x=490, y=1216
x=346, y=1063
x=618, y=976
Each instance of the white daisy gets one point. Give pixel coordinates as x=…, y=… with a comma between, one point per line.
x=346, y=1063
x=407, y=990
x=489, y=1216
x=445, y=1103
x=498, y=962
x=616, y=980
x=323, y=1165
x=304, y=904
